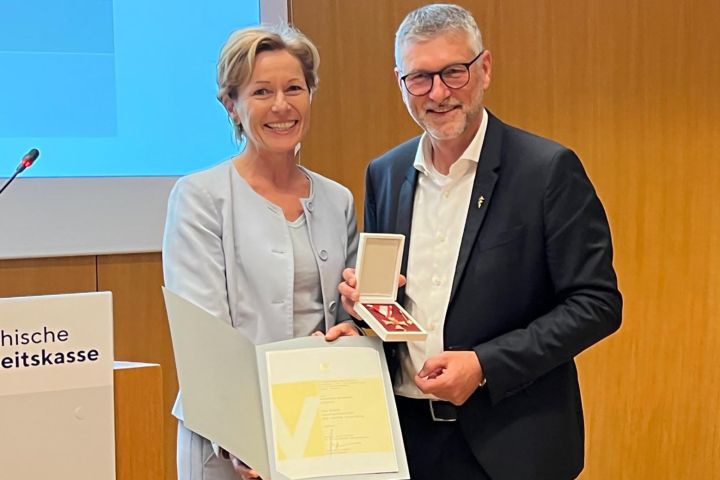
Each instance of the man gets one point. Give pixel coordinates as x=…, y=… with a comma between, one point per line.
x=509, y=268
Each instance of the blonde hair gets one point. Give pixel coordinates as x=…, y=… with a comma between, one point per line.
x=237, y=58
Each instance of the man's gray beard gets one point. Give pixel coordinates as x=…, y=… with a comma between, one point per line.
x=436, y=133
x=462, y=126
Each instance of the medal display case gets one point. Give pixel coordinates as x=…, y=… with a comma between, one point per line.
x=377, y=271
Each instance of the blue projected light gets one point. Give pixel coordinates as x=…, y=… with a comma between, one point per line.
x=69, y=51
x=114, y=87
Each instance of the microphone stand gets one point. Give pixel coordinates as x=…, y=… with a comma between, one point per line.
x=17, y=172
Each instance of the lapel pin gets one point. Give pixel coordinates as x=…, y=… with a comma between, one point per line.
x=480, y=201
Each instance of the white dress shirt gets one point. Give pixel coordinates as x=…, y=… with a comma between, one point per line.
x=439, y=212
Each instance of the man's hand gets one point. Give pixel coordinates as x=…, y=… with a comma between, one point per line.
x=451, y=376
x=349, y=293
x=242, y=470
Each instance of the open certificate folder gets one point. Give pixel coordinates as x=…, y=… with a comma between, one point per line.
x=296, y=409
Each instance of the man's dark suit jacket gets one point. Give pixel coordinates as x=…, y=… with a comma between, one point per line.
x=534, y=286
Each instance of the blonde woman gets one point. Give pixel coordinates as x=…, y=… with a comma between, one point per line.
x=258, y=240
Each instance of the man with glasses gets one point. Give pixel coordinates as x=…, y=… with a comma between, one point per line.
x=509, y=268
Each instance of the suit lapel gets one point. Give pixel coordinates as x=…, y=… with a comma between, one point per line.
x=483, y=186
x=406, y=199
x=403, y=221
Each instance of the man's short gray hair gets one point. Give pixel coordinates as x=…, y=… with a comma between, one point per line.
x=432, y=20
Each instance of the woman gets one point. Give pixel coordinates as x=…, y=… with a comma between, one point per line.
x=258, y=240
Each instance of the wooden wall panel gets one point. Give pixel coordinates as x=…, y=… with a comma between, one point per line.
x=46, y=276
x=357, y=111
x=141, y=328
x=632, y=87
x=139, y=451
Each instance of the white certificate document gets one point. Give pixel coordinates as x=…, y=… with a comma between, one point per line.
x=329, y=412
x=295, y=409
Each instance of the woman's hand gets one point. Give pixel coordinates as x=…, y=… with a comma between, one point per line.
x=242, y=470
x=345, y=329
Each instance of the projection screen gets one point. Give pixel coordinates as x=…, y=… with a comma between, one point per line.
x=119, y=97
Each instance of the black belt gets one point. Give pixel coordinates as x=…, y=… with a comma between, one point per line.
x=442, y=411
x=439, y=410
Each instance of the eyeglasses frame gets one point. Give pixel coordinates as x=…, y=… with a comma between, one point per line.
x=432, y=75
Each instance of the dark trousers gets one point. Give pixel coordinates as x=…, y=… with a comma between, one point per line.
x=435, y=450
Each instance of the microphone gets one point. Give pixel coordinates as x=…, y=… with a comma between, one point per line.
x=28, y=160
x=25, y=162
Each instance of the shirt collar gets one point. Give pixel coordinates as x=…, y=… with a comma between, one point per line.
x=423, y=155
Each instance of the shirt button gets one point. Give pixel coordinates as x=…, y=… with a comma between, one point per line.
x=323, y=255
x=310, y=206
x=332, y=307
x=446, y=194
x=440, y=236
x=436, y=281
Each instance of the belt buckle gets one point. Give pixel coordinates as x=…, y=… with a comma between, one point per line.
x=435, y=418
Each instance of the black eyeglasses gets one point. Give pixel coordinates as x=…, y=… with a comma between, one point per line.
x=453, y=76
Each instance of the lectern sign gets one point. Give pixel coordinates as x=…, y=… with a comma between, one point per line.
x=56, y=393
